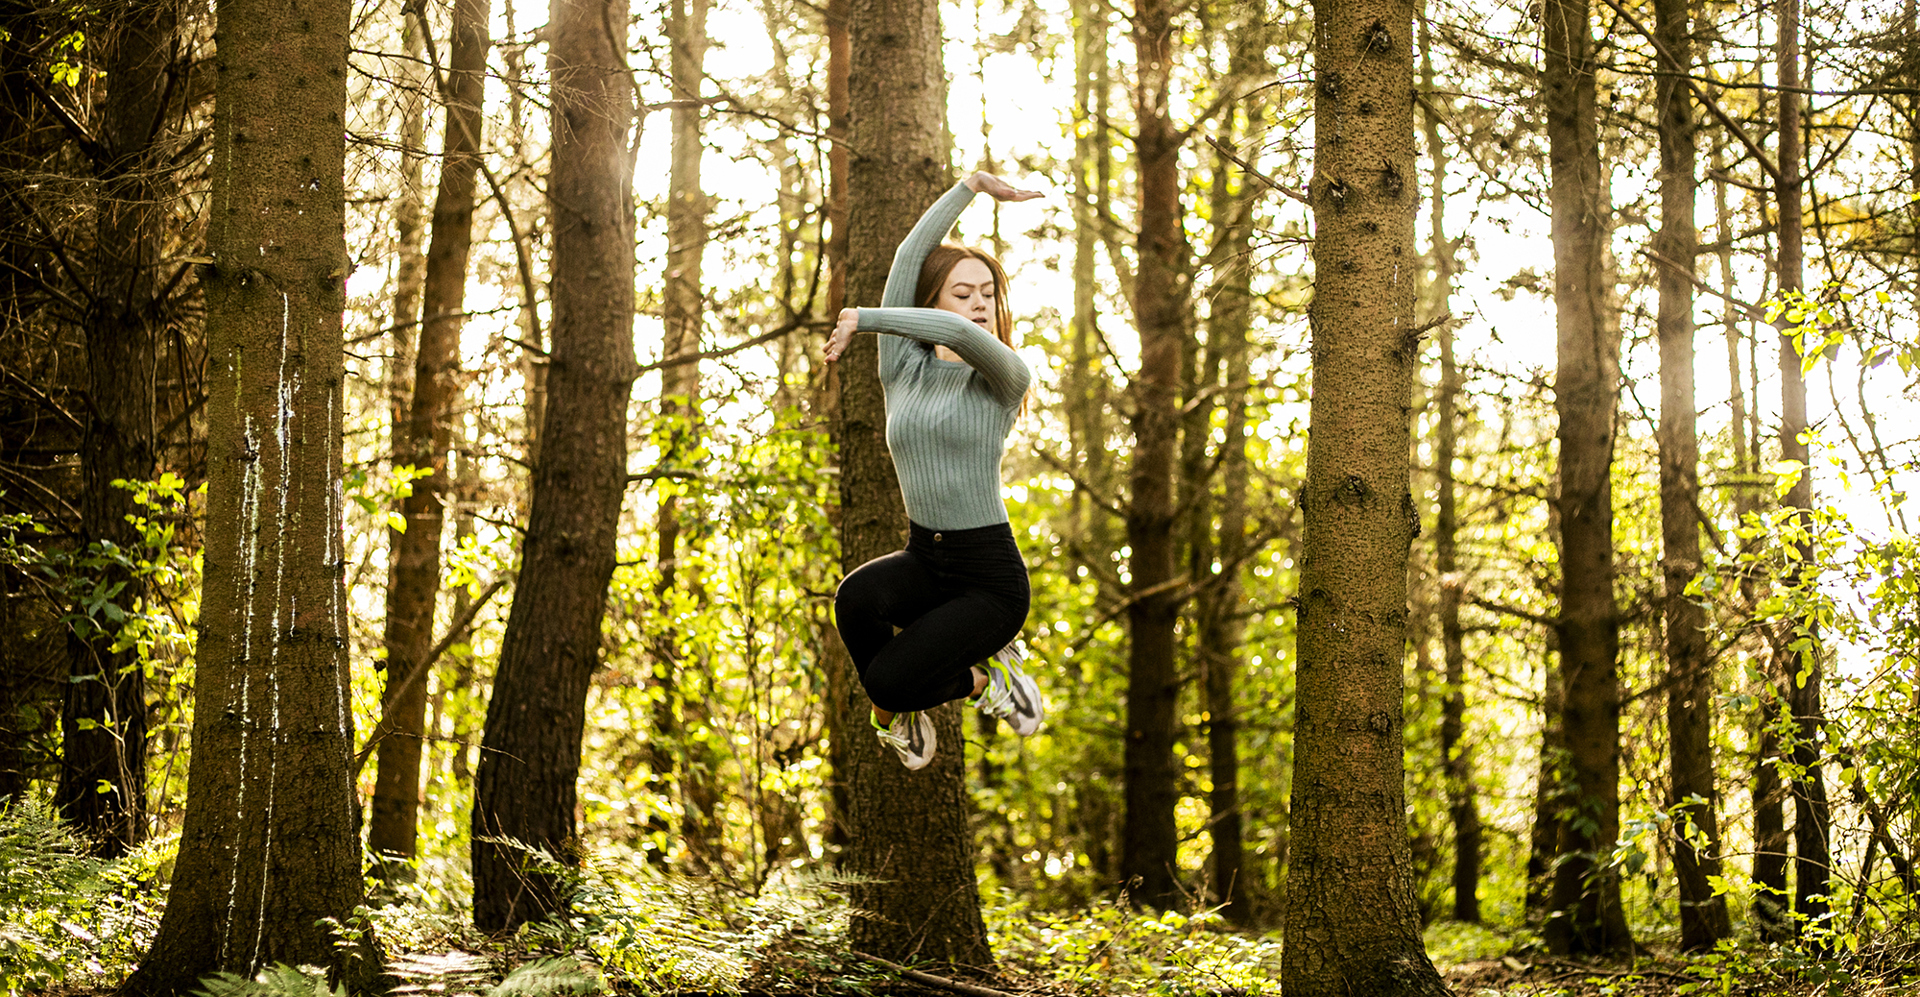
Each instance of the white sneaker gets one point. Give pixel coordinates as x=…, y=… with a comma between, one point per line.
x=911, y=735
x=1011, y=694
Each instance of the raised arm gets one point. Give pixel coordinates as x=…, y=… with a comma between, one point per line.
x=1006, y=374
x=932, y=227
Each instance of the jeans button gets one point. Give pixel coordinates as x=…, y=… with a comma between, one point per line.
x=937, y=538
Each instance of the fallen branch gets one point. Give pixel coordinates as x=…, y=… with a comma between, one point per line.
x=931, y=980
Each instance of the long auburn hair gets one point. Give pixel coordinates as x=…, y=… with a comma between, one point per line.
x=940, y=263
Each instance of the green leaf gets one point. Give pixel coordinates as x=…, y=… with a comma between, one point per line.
x=547, y=977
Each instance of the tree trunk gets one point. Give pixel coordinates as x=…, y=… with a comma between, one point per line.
x=530, y=754
x=1543, y=840
x=1222, y=627
x=1703, y=915
x=836, y=664
x=908, y=831
x=1769, y=818
x=269, y=847
x=102, y=788
x=1149, y=840
x=391, y=833
x=682, y=314
x=410, y=271
x=1351, y=922
x=1812, y=853
x=1586, y=893
x=1462, y=798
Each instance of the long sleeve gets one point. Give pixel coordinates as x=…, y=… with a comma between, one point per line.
x=1006, y=375
x=904, y=277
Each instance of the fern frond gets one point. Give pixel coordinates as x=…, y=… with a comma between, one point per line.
x=278, y=980
x=547, y=977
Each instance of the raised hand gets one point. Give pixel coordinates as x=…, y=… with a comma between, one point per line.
x=843, y=331
x=998, y=189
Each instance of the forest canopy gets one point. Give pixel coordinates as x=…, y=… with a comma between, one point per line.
x=1463, y=489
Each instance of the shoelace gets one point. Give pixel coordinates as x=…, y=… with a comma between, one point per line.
x=997, y=698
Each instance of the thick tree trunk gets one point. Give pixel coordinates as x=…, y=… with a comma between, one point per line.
x=1149, y=840
x=1804, y=671
x=269, y=848
x=1586, y=893
x=1351, y=922
x=391, y=833
x=530, y=755
x=908, y=831
x=102, y=789
x=1703, y=914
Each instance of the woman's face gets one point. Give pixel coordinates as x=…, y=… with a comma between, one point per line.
x=970, y=293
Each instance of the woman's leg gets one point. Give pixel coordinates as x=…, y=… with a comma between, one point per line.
x=887, y=592
x=931, y=661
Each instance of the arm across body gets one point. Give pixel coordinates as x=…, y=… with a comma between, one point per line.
x=1006, y=374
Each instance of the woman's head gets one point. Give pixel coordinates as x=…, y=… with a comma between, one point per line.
x=969, y=283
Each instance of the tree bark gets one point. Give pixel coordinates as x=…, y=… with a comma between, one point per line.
x=1804, y=670
x=1586, y=893
x=391, y=833
x=102, y=787
x=1149, y=839
x=1222, y=628
x=530, y=755
x=269, y=847
x=679, y=436
x=842, y=725
x=1462, y=798
x=1543, y=839
x=1703, y=914
x=908, y=831
x=1351, y=922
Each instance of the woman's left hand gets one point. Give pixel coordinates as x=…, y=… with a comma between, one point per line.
x=998, y=189
x=843, y=331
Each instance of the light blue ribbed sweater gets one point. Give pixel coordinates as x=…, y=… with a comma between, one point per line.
x=947, y=422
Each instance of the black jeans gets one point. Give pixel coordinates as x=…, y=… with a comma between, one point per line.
x=956, y=595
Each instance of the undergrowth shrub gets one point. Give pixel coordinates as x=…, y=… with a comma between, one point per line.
x=66, y=918
x=1108, y=948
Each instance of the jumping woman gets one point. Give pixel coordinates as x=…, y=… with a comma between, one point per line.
x=958, y=593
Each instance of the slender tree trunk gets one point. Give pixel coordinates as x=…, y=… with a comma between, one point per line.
x=410, y=237
x=1149, y=839
x=683, y=313
x=1222, y=627
x=1804, y=670
x=1586, y=893
x=102, y=788
x=1703, y=914
x=530, y=755
x=391, y=833
x=1462, y=798
x=1543, y=840
x=909, y=832
x=269, y=847
x=842, y=725
x=1351, y=923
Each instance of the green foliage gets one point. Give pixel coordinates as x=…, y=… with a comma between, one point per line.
x=549, y=976
x=65, y=917
x=278, y=980
x=1107, y=947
